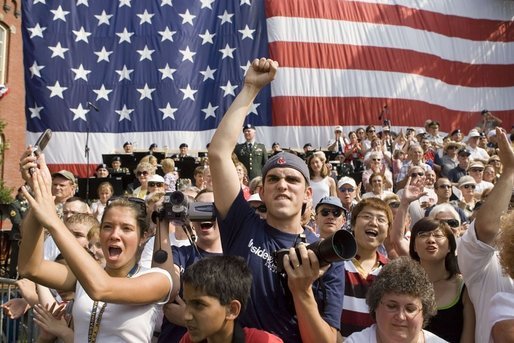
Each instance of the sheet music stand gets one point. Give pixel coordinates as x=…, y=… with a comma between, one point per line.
x=117, y=185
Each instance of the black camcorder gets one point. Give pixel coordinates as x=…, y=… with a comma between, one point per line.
x=176, y=207
x=337, y=247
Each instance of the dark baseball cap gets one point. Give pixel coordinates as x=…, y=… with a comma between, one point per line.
x=248, y=127
x=286, y=160
x=183, y=145
x=464, y=151
x=333, y=201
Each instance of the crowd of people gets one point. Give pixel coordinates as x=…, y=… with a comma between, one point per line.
x=429, y=216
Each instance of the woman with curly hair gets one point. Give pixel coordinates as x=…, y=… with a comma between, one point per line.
x=401, y=300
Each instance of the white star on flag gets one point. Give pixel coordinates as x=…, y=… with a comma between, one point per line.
x=35, y=111
x=187, y=18
x=146, y=92
x=80, y=73
x=226, y=17
x=167, y=34
x=124, y=113
x=36, y=31
x=59, y=14
x=81, y=35
x=228, y=89
x=103, y=18
x=246, y=33
x=102, y=93
x=209, y=111
x=207, y=37
x=206, y=4
x=79, y=112
x=145, y=17
x=187, y=54
x=168, y=112
x=188, y=92
x=34, y=70
x=227, y=52
x=167, y=72
x=146, y=54
x=56, y=90
x=124, y=73
x=125, y=3
x=125, y=36
x=208, y=73
x=58, y=50
x=103, y=55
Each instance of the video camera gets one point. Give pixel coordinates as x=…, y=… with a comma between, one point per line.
x=176, y=207
x=337, y=247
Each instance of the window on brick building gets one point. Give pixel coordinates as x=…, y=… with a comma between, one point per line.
x=4, y=51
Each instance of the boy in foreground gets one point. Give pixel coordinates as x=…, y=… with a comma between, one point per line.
x=216, y=290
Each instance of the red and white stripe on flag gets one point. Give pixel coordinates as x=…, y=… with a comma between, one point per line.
x=342, y=61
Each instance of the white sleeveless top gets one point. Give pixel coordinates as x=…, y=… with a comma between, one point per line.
x=120, y=322
x=320, y=189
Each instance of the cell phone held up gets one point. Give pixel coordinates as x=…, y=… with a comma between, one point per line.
x=40, y=145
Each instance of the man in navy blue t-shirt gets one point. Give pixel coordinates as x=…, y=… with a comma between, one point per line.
x=297, y=305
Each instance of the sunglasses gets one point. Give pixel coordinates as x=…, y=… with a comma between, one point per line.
x=451, y=222
x=144, y=173
x=377, y=159
x=444, y=186
x=451, y=148
x=206, y=225
x=469, y=186
x=417, y=174
x=261, y=208
x=155, y=184
x=336, y=212
x=349, y=190
x=370, y=131
x=476, y=170
x=394, y=204
x=138, y=201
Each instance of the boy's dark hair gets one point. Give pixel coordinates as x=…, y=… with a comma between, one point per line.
x=225, y=278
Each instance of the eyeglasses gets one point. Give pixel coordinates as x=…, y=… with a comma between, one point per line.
x=343, y=189
x=369, y=217
x=155, y=184
x=261, y=208
x=438, y=235
x=410, y=310
x=394, y=204
x=494, y=161
x=417, y=174
x=476, y=170
x=445, y=186
x=207, y=225
x=451, y=222
x=336, y=212
x=469, y=186
x=139, y=202
x=370, y=131
x=144, y=173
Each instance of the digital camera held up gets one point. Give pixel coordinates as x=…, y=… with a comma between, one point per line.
x=177, y=207
x=337, y=247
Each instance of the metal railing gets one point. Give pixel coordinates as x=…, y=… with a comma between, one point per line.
x=19, y=330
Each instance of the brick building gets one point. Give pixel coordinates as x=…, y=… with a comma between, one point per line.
x=12, y=104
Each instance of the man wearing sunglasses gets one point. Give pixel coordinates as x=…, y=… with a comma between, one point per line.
x=443, y=189
x=292, y=304
x=415, y=159
x=347, y=192
x=329, y=216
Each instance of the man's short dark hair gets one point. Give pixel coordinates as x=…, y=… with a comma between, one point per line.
x=225, y=278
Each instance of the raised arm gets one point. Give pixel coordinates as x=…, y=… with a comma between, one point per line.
x=411, y=192
x=487, y=223
x=30, y=259
x=99, y=285
x=224, y=176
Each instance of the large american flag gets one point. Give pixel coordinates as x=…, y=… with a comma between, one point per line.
x=165, y=71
